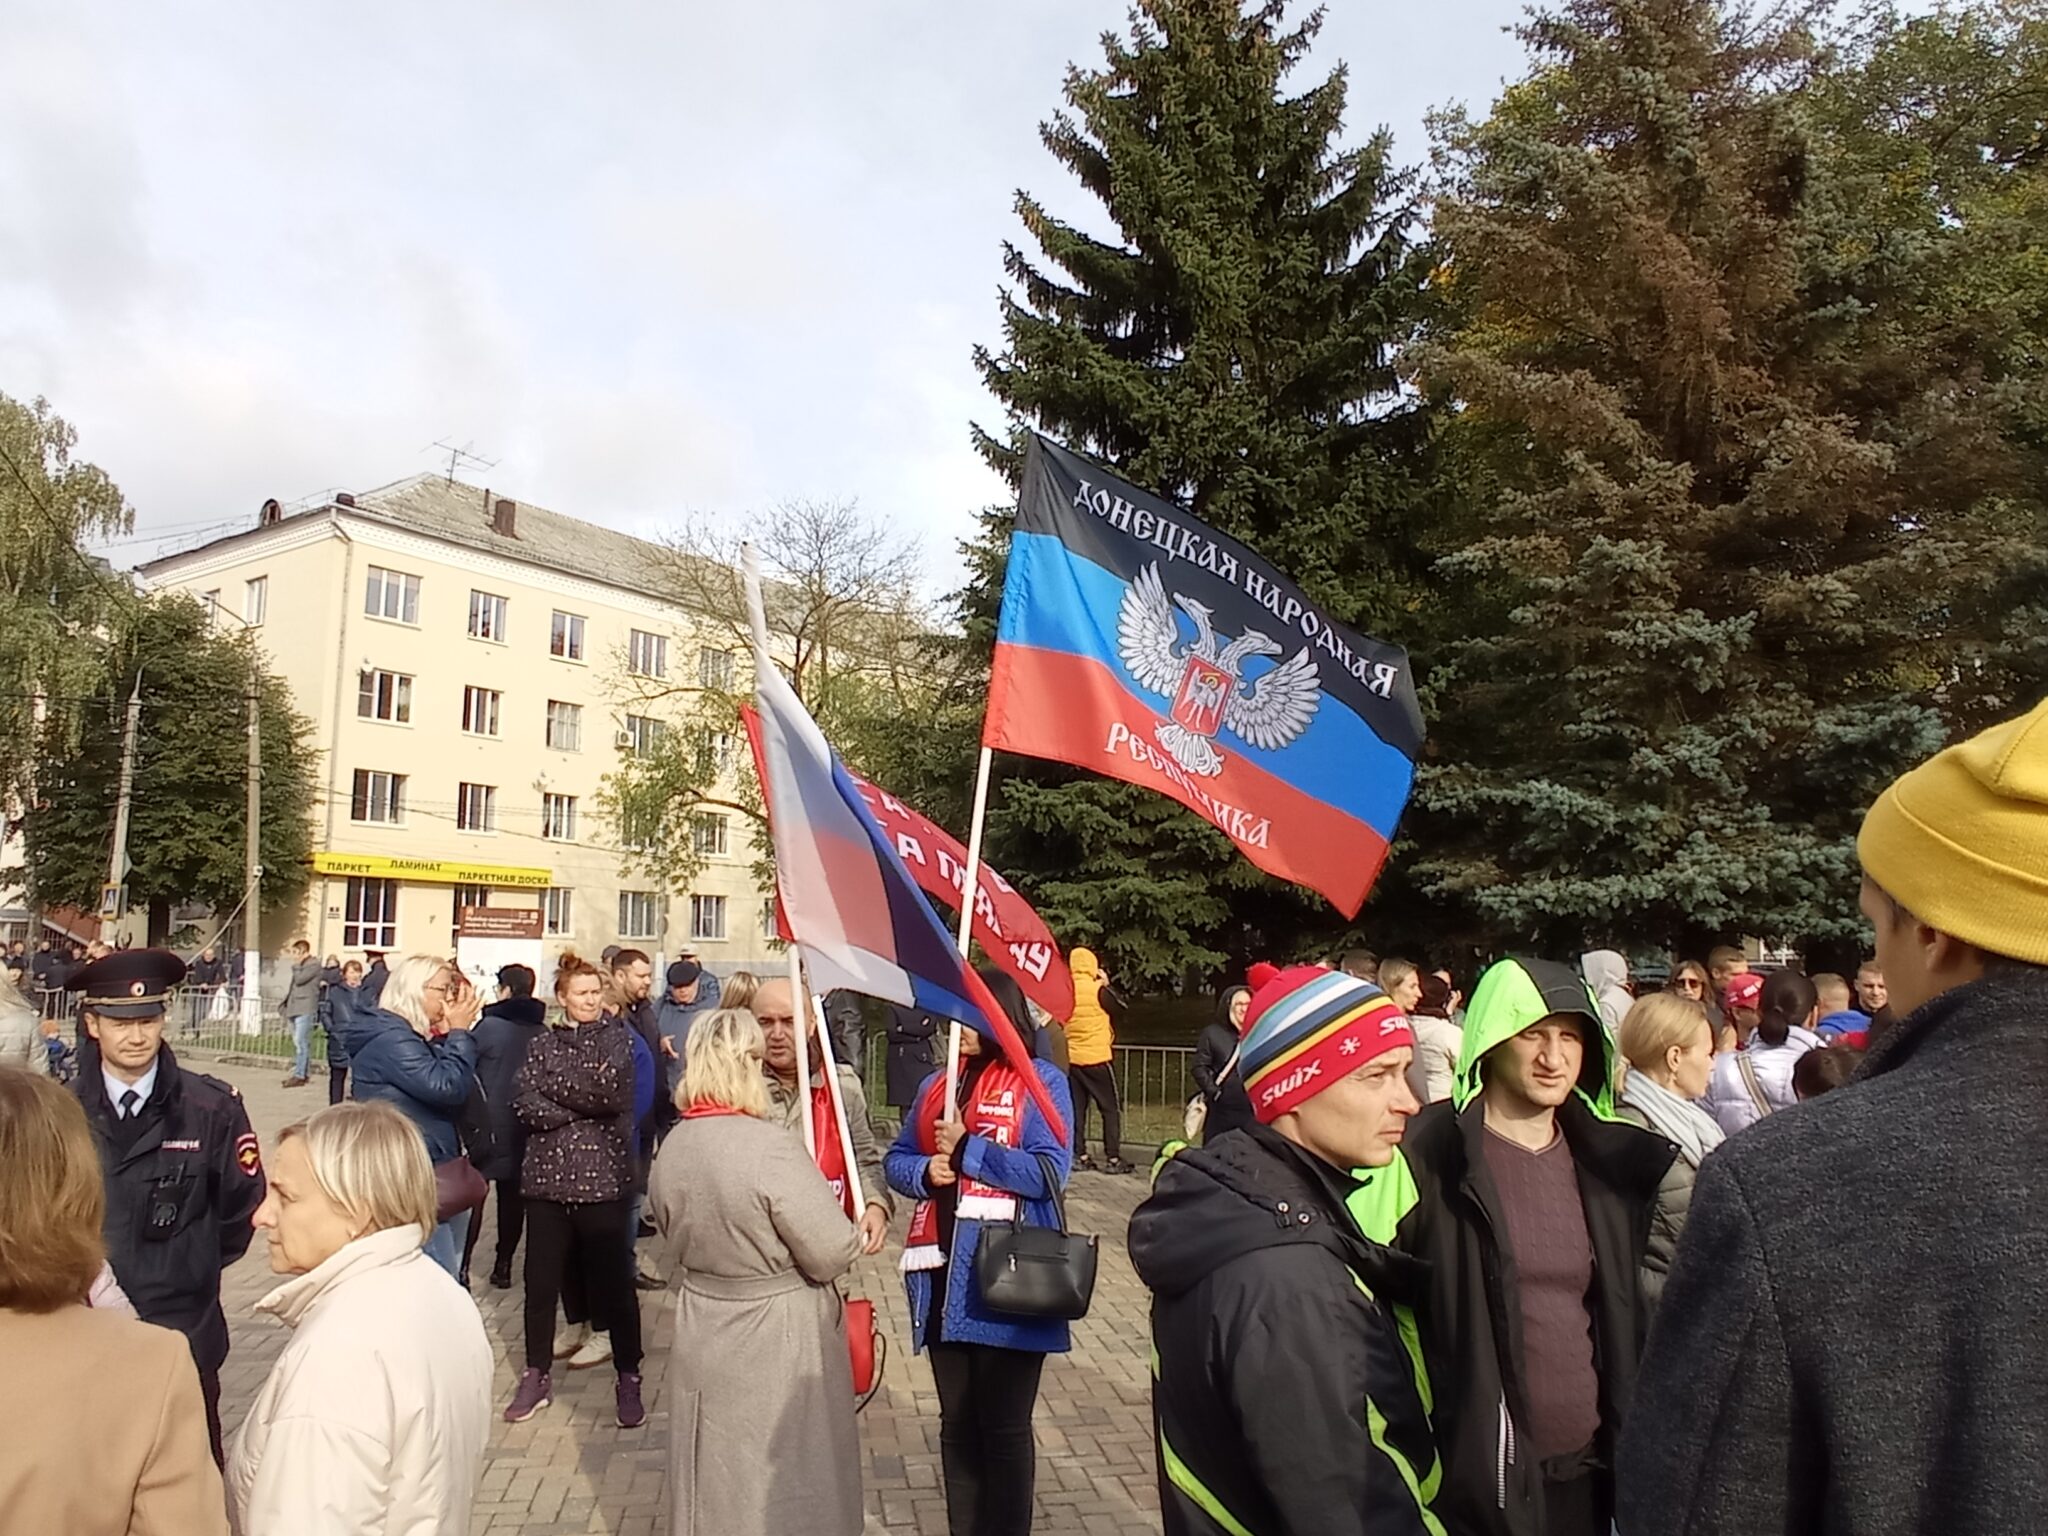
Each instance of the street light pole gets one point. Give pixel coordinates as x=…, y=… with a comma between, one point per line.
x=252, y=904
x=117, y=865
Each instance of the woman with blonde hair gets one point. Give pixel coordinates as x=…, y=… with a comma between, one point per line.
x=755, y=1241
x=738, y=989
x=1668, y=1047
x=374, y=1417
x=413, y=1051
x=79, y=1376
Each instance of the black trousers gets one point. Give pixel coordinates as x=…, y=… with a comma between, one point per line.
x=511, y=1222
x=1097, y=1083
x=986, y=1399
x=337, y=1084
x=591, y=1237
x=209, y=1388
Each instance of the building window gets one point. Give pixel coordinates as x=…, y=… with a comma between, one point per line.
x=468, y=896
x=392, y=595
x=707, y=833
x=487, y=617
x=212, y=602
x=255, y=599
x=638, y=913
x=714, y=753
x=714, y=669
x=707, y=917
x=370, y=919
x=565, y=726
x=378, y=796
x=558, y=817
x=382, y=695
x=768, y=926
x=636, y=828
x=480, y=711
x=642, y=735
x=646, y=655
x=476, y=807
x=557, y=910
x=565, y=636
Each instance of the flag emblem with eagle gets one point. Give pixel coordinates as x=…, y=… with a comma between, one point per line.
x=1204, y=678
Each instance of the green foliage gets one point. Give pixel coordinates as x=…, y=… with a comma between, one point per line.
x=187, y=825
x=1746, y=485
x=1231, y=347
x=54, y=601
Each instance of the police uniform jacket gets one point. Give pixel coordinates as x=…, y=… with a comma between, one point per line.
x=184, y=1177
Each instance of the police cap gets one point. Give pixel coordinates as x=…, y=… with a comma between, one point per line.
x=129, y=983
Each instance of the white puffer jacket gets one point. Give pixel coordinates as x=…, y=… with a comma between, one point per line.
x=1728, y=1098
x=373, y=1420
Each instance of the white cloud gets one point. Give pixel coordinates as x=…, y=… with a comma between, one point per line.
x=649, y=258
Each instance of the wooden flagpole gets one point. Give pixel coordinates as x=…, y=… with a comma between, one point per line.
x=970, y=890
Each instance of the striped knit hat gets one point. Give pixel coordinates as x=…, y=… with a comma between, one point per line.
x=1308, y=1027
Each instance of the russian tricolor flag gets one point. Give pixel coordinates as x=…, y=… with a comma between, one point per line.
x=1140, y=644
x=846, y=898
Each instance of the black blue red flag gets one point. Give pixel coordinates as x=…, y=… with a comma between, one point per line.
x=1138, y=643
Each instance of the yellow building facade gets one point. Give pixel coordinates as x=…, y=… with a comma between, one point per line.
x=463, y=658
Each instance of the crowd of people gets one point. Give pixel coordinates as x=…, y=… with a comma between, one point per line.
x=1568, y=1257
x=714, y=1113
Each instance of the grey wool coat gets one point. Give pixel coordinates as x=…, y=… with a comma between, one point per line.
x=1854, y=1338
x=761, y=1431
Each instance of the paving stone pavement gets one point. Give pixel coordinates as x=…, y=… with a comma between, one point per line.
x=571, y=1469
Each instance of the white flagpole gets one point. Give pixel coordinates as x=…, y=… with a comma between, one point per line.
x=798, y=1016
x=969, y=893
x=860, y=1199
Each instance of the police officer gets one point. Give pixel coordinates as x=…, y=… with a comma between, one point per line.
x=183, y=1171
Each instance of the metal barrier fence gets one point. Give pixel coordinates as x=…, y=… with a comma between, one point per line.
x=1153, y=1081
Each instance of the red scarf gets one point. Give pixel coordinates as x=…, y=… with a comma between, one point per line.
x=829, y=1150
x=997, y=1113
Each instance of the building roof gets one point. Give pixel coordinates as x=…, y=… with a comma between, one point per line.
x=461, y=513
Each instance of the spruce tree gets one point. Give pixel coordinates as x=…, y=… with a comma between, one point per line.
x=1736, y=505
x=1230, y=346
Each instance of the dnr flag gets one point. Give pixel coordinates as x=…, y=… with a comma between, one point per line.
x=1137, y=643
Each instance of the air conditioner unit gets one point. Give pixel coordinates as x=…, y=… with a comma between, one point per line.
x=624, y=739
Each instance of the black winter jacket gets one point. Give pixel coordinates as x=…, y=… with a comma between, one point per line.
x=1230, y=1107
x=183, y=1177
x=913, y=1052
x=503, y=1036
x=1274, y=1344
x=1854, y=1338
x=1437, y=1201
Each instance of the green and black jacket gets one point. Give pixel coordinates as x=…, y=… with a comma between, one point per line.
x=1285, y=1399
x=1437, y=1202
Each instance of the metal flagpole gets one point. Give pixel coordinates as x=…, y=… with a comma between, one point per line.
x=832, y=1089
x=970, y=890
x=798, y=1016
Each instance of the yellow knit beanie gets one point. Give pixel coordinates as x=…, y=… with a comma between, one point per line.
x=1962, y=840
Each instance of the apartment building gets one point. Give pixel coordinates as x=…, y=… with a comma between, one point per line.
x=462, y=657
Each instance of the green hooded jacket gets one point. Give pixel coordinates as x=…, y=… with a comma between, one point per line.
x=1437, y=1201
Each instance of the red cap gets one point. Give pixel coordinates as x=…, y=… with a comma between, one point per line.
x=1261, y=972
x=1744, y=991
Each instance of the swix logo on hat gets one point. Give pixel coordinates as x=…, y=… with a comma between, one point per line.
x=1308, y=1027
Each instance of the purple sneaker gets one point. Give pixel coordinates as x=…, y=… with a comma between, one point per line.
x=536, y=1391
x=632, y=1412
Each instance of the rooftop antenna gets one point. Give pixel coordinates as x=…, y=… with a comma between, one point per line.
x=464, y=457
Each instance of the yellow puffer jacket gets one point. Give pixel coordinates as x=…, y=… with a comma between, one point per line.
x=1089, y=1035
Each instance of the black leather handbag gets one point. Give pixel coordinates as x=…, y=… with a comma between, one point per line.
x=1036, y=1271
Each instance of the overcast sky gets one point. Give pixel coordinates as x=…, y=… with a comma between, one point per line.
x=650, y=258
